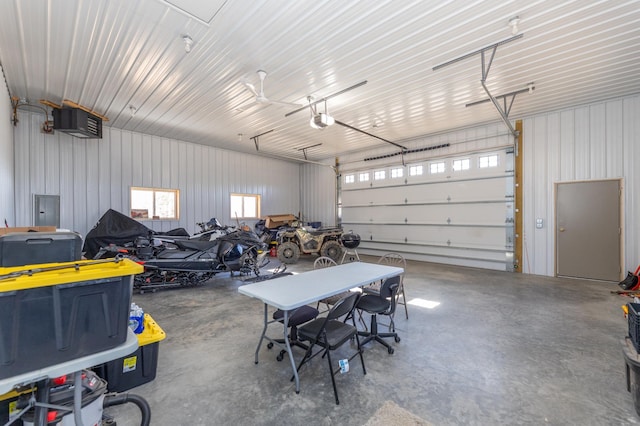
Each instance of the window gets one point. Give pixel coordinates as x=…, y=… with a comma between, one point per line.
x=245, y=206
x=415, y=170
x=397, y=173
x=349, y=179
x=436, y=167
x=154, y=203
x=363, y=177
x=488, y=161
x=460, y=165
x=379, y=175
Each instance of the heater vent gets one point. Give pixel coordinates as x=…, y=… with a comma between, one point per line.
x=77, y=122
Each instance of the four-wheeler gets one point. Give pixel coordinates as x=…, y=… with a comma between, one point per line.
x=293, y=241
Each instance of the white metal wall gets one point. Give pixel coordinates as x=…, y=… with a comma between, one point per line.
x=6, y=157
x=318, y=194
x=94, y=175
x=596, y=141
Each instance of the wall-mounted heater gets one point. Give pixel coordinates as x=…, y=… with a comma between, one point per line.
x=77, y=122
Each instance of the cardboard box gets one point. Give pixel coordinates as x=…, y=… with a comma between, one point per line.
x=276, y=220
x=4, y=231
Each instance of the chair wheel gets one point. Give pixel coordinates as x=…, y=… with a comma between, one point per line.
x=391, y=351
x=280, y=356
x=397, y=339
x=269, y=345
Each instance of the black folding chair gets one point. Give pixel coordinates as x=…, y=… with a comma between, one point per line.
x=330, y=333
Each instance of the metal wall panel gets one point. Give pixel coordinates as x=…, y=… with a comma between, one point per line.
x=6, y=159
x=630, y=147
x=93, y=175
x=318, y=194
x=597, y=141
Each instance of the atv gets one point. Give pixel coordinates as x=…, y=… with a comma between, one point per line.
x=293, y=241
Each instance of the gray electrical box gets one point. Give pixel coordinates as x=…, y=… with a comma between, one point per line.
x=47, y=210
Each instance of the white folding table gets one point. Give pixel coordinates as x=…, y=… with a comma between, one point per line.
x=292, y=291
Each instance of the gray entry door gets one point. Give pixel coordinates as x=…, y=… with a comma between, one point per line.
x=588, y=230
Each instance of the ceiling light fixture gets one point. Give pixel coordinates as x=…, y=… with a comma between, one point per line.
x=188, y=43
x=513, y=23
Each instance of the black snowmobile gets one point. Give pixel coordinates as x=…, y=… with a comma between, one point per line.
x=177, y=262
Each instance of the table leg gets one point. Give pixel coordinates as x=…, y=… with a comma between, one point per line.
x=42, y=395
x=264, y=330
x=289, y=351
x=77, y=398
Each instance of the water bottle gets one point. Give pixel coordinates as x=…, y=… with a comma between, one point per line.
x=136, y=318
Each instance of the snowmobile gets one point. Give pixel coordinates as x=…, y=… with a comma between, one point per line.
x=183, y=262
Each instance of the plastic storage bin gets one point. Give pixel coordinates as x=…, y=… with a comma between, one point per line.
x=632, y=364
x=58, y=312
x=138, y=368
x=8, y=405
x=28, y=248
x=633, y=317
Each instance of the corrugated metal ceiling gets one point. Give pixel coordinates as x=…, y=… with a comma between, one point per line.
x=112, y=55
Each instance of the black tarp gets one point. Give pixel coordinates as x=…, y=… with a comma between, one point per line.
x=113, y=228
x=119, y=229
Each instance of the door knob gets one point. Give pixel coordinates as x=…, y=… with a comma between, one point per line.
x=561, y=229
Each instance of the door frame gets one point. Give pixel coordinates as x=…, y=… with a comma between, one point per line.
x=621, y=221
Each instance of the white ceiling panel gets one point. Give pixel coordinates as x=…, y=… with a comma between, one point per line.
x=112, y=55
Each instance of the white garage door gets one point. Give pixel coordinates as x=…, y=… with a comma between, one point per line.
x=457, y=210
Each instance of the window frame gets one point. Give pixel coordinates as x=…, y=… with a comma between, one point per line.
x=463, y=162
x=397, y=172
x=256, y=197
x=379, y=175
x=152, y=215
x=437, y=164
x=416, y=170
x=488, y=158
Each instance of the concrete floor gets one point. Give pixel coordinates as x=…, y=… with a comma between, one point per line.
x=500, y=348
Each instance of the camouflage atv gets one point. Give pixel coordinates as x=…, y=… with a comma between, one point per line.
x=293, y=241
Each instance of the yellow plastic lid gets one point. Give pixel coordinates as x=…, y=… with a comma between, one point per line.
x=152, y=332
x=50, y=274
